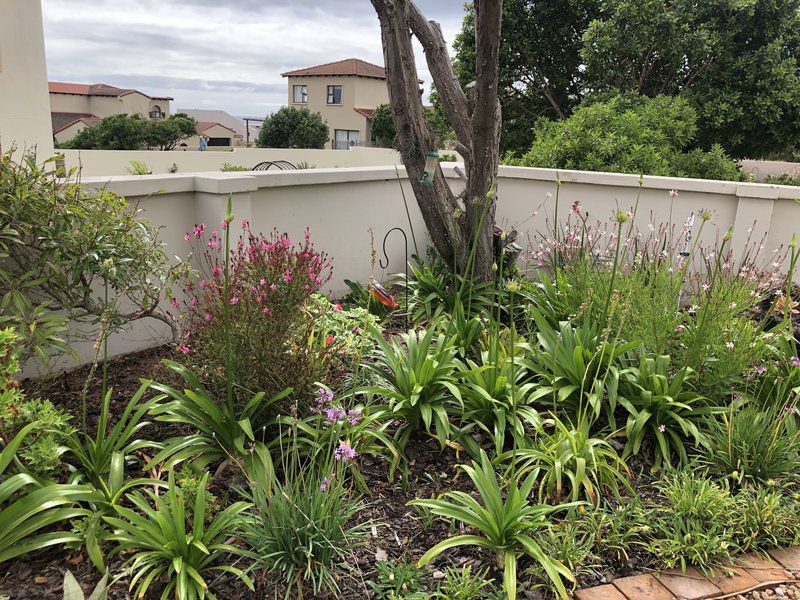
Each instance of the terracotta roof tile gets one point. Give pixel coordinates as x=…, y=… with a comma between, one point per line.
x=62, y=120
x=367, y=112
x=349, y=66
x=95, y=89
x=203, y=125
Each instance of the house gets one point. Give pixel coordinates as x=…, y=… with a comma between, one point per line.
x=345, y=93
x=24, y=110
x=240, y=135
x=74, y=106
x=219, y=135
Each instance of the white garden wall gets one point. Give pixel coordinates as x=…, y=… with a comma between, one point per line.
x=116, y=162
x=347, y=208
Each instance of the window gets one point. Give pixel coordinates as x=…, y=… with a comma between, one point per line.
x=155, y=112
x=299, y=94
x=334, y=94
x=344, y=138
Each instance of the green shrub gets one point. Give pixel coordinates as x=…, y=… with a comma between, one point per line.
x=660, y=402
x=270, y=281
x=346, y=329
x=748, y=445
x=163, y=542
x=641, y=135
x=569, y=542
x=464, y=584
x=421, y=383
x=68, y=245
x=228, y=167
x=299, y=534
x=571, y=463
x=507, y=524
x=383, y=131
x=766, y=519
x=695, y=526
x=398, y=581
x=291, y=127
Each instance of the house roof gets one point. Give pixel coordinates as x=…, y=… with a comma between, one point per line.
x=203, y=125
x=62, y=120
x=215, y=116
x=95, y=89
x=349, y=66
x=367, y=112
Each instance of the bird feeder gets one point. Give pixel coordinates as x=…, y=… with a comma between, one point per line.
x=431, y=160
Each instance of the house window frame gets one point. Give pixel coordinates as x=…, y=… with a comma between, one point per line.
x=156, y=112
x=303, y=93
x=332, y=94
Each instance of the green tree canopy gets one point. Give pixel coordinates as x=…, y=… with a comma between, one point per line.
x=124, y=132
x=383, y=131
x=540, y=62
x=633, y=134
x=735, y=60
x=293, y=128
x=165, y=134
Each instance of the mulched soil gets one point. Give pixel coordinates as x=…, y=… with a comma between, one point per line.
x=397, y=530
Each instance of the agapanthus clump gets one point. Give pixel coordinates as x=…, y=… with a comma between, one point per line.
x=271, y=279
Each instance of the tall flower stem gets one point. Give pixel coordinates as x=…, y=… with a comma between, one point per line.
x=226, y=313
x=620, y=221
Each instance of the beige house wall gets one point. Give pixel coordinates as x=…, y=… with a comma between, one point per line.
x=24, y=103
x=73, y=103
x=70, y=132
x=361, y=92
x=341, y=206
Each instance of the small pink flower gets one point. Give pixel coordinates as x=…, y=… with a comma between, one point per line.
x=337, y=308
x=356, y=329
x=576, y=208
x=184, y=348
x=266, y=310
x=680, y=329
x=223, y=224
x=287, y=275
x=262, y=282
x=273, y=287
x=662, y=428
x=235, y=300
x=729, y=345
x=245, y=224
x=325, y=483
x=329, y=340
x=673, y=193
x=174, y=302
x=208, y=316
x=187, y=237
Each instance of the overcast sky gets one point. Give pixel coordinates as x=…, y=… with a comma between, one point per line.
x=216, y=54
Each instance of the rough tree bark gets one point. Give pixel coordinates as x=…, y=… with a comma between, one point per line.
x=453, y=222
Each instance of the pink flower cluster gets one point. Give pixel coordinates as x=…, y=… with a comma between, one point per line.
x=333, y=412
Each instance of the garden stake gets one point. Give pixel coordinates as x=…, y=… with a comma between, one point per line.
x=405, y=263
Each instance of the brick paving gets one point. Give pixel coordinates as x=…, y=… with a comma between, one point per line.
x=750, y=571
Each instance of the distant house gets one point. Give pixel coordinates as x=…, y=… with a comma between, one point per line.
x=345, y=93
x=219, y=135
x=226, y=120
x=74, y=106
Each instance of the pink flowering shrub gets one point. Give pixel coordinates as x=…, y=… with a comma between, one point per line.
x=272, y=279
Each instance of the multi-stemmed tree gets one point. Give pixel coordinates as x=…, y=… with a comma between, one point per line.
x=457, y=223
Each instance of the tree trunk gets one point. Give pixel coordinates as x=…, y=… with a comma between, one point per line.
x=454, y=223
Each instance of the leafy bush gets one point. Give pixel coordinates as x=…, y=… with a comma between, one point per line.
x=570, y=462
x=228, y=167
x=783, y=179
x=660, y=402
x=220, y=431
x=750, y=445
x=271, y=283
x=421, y=382
x=291, y=127
x=695, y=526
x=132, y=132
x=63, y=246
x=383, y=131
x=137, y=167
x=166, y=544
x=571, y=543
x=300, y=533
x=464, y=584
x=398, y=581
x=766, y=519
x=642, y=135
x=507, y=523
x=346, y=329
x=497, y=400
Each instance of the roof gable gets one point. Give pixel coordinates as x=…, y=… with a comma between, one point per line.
x=96, y=89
